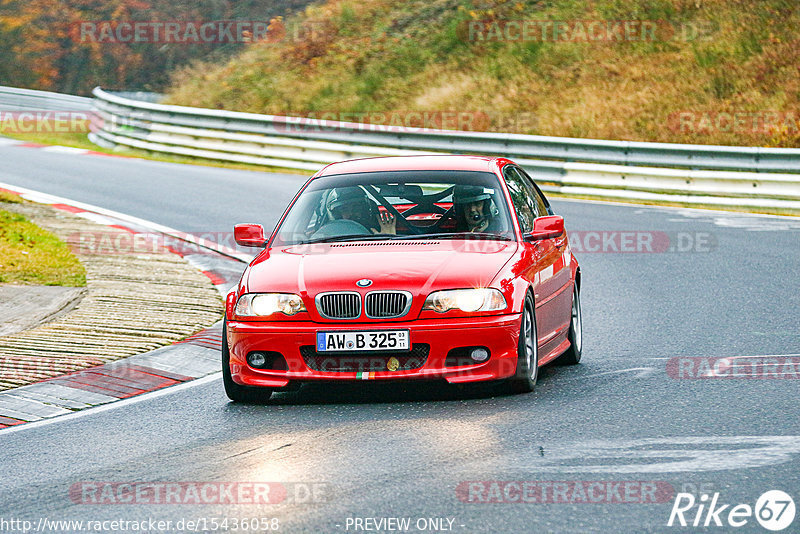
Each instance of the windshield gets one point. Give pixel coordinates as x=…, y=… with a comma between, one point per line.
x=398, y=205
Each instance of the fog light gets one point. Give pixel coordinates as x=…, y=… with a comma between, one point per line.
x=479, y=354
x=256, y=359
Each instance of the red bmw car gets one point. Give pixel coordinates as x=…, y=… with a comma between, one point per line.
x=405, y=268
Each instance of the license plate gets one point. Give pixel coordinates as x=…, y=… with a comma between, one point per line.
x=363, y=341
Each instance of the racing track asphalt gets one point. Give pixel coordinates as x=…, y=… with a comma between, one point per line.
x=383, y=450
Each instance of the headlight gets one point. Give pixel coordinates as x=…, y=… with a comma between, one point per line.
x=466, y=300
x=263, y=304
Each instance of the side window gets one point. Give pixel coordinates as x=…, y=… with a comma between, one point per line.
x=543, y=207
x=524, y=204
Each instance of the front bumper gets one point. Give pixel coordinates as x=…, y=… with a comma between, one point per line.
x=499, y=334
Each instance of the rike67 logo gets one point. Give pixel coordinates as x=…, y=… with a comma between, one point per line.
x=774, y=510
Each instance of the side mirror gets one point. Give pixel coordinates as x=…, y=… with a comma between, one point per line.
x=249, y=235
x=546, y=228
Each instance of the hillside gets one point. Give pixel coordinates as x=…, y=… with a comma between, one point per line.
x=688, y=71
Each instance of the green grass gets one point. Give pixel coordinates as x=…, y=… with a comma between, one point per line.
x=9, y=198
x=76, y=140
x=32, y=255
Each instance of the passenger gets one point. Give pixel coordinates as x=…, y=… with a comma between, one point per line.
x=474, y=210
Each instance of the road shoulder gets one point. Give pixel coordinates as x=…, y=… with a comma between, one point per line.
x=142, y=313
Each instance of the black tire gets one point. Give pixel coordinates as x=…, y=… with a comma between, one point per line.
x=524, y=379
x=572, y=355
x=237, y=392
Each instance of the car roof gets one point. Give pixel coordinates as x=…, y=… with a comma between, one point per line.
x=444, y=162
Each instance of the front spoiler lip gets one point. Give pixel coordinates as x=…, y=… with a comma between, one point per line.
x=450, y=323
x=276, y=379
x=411, y=374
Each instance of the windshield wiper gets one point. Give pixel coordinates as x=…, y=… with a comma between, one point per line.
x=352, y=237
x=456, y=235
x=384, y=237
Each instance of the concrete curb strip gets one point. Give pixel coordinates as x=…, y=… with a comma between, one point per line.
x=133, y=304
x=106, y=348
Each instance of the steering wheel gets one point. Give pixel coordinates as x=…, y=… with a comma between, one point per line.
x=340, y=227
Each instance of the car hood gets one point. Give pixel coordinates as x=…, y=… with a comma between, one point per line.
x=419, y=267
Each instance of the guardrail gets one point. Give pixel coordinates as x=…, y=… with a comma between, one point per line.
x=16, y=99
x=694, y=174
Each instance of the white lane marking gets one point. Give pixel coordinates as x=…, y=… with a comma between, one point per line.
x=761, y=356
x=661, y=455
x=65, y=149
x=740, y=221
x=112, y=405
x=725, y=357
x=643, y=372
x=7, y=141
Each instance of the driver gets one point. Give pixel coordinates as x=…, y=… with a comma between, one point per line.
x=352, y=203
x=474, y=209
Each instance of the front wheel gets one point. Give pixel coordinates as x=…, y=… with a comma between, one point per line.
x=572, y=355
x=527, y=371
x=237, y=392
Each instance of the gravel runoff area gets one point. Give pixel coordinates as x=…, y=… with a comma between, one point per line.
x=133, y=303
